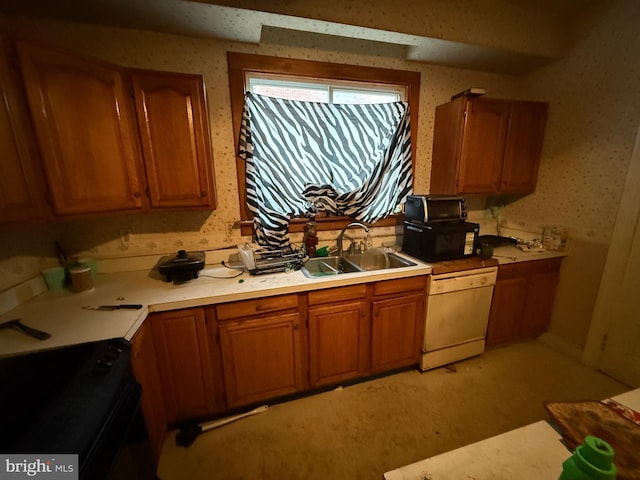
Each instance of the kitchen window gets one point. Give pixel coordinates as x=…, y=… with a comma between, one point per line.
x=322, y=90
x=344, y=81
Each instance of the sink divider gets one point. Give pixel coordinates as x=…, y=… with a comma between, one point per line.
x=331, y=269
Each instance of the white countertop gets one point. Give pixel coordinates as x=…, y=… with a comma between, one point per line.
x=532, y=452
x=60, y=312
x=512, y=254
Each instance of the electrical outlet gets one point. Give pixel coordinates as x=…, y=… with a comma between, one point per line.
x=125, y=236
x=230, y=228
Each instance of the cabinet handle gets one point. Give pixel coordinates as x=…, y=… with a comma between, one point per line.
x=203, y=194
x=136, y=194
x=296, y=326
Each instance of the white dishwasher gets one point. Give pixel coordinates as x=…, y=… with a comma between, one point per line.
x=458, y=305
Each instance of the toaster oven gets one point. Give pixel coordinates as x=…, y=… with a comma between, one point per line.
x=431, y=210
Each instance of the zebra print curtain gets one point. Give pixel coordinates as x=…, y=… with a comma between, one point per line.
x=308, y=157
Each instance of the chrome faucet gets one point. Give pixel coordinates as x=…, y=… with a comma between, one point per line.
x=352, y=224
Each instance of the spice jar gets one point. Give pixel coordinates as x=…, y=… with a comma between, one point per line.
x=81, y=279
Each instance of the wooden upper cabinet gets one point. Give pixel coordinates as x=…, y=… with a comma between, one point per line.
x=173, y=121
x=22, y=188
x=483, y=145
x=523, y=147
x=487, y=146
x=85, y=127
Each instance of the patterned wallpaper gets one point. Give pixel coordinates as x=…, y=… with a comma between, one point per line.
x=593, y=116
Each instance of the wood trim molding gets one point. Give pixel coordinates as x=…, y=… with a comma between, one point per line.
x=240, y=63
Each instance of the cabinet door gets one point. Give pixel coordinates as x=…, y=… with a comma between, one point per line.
x=397, y=331
x=539, y=303
x=483, y=143
x=144, y=363
x=184, y=361
x=173, y=120
x=261, y=358
x=339, y=339
x=21, y=181
x=523, y=147
x=507, y=305
x=86, y=131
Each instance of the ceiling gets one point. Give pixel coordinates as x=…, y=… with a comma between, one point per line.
x=290, y=22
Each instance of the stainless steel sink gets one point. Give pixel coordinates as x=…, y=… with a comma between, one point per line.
x=395, y=261
x=335, y=265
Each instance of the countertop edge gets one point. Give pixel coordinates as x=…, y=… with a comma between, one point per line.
x=60, y=312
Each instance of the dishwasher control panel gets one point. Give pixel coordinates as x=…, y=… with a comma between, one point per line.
x=463, y=280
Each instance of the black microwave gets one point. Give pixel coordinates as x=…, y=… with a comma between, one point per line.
x=433, y=243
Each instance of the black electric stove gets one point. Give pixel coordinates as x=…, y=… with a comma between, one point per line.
x=80, y=399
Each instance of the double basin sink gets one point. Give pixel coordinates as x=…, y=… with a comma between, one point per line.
x=338, y=265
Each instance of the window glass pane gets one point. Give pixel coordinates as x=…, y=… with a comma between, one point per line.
x=363, y=96
x=317, y=90
x=289, y=90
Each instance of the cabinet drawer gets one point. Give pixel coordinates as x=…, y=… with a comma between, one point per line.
x=337, y=294
x=258, y=306
x=400, y=286
x=523, y=269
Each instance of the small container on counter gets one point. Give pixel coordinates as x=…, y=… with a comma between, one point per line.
x=555, y=237
x=81, y=279
x=54, y=278
x=91, y=263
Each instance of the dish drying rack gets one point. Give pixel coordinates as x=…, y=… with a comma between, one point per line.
x=261, y=260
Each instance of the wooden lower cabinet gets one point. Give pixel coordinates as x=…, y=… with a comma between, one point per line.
x=397, y=324
x=396, y=332
x=522, y=300
x=507, y=304
x=145, y=368
x=184, y=363
x=196, y=362
x=261, y=358
x=339, y=336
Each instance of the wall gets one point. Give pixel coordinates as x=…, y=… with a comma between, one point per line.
x=594, y=113
x=24, y=252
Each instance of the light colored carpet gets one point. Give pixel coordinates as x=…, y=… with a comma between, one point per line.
x=364, y=430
